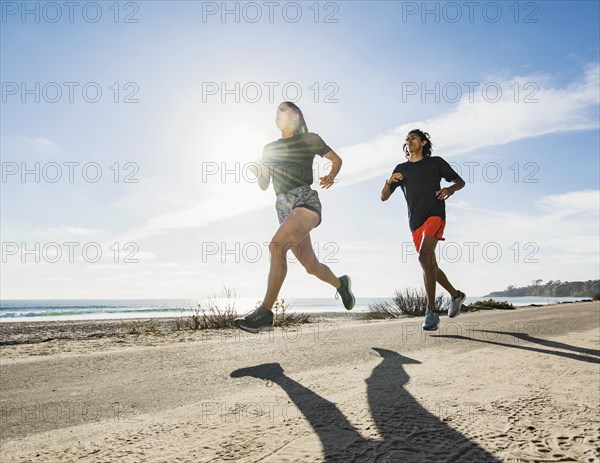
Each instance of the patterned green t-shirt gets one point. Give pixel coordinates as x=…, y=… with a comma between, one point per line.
x=290, y=160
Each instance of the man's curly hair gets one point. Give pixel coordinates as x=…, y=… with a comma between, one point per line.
x=427, y=149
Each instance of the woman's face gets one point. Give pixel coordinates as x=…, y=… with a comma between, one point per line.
x=286, y=117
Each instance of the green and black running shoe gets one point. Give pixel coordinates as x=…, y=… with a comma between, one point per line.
x=345, y=290
x=256, y=321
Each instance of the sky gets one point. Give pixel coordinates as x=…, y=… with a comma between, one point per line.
x=127, y=129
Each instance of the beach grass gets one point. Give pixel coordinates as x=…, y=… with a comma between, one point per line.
x=409, y=302
x=218, y=311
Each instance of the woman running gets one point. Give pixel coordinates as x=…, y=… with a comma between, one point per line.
x=288, y=162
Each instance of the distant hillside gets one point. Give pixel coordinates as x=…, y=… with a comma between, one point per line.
x=554, y=288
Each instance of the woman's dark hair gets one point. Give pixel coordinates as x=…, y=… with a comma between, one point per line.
x=427, y=149
x=302, y=127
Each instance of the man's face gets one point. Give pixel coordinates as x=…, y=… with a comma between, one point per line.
x=413, y=142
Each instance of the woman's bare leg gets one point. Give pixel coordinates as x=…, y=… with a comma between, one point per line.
x=290, y=234
x=306, y=256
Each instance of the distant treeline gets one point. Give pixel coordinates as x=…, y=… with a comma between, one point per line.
x=555, y=288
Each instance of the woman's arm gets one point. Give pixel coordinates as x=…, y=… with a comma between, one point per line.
x=262, y=173
x=336, y=165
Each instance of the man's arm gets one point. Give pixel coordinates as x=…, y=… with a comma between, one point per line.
x=387, y=188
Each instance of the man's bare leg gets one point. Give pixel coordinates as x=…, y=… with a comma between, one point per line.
x=429, y=266
x=444, y=283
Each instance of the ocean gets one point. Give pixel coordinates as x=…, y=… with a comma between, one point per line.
x=12, y=310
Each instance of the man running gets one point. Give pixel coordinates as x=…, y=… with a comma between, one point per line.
x=420, y=179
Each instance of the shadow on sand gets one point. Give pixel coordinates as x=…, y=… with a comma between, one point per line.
x=409, y=433
x=589, y=355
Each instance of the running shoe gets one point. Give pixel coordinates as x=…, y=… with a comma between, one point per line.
x=432, y=321
x=258, y=320
x=457, y=303
x=345, y=290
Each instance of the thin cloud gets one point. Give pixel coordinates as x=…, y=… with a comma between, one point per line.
x=21, y=147
x=66, y=230
x=43, y=144
x=586, y=202
x=564, y=224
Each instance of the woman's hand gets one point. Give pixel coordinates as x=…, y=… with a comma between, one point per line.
x=327, y=180
x=254, y=168
x=336, y=165
x=262, y=173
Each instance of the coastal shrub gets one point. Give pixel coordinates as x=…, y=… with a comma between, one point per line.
x=137, y=327
x=282, y=318
x=132, y=327
x=596, y=297
x=150, y=327
x=178, y=323
x=492, y=304
x=218, y=311
x=408, y=302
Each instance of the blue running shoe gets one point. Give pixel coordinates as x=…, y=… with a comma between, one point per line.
x=457, y=303
x=432, y=321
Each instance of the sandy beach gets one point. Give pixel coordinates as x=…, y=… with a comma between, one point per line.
x=494, y=386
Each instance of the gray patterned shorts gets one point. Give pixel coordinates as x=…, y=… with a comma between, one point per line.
x=302, y=196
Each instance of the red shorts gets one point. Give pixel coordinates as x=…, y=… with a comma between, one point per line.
x=433, y=226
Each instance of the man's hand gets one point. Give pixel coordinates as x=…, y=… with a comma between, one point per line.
x=397, y=177
x=444, y=193
x=387, y=189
